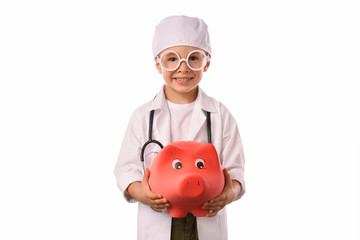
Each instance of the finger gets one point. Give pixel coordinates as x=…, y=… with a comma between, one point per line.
x=160, y=203
x=153, y=196
x=161, y=206
x=219, y=199
x=214, y=207
x=164, y=210
x=212, y=214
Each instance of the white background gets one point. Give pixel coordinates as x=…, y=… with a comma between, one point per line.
x=73, y=71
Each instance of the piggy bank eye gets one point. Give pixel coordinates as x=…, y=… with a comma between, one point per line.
x=176, y=164
x=199, y=163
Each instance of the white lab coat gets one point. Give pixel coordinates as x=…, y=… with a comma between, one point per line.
x=154, y=225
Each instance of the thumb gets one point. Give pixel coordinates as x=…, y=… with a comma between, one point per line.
x=146, y=175
x=227, y=175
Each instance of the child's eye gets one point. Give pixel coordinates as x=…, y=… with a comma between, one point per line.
x=172, y=59
x=176, y=164
x=193, y=58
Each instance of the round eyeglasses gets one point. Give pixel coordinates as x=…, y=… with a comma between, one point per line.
x=171, y=60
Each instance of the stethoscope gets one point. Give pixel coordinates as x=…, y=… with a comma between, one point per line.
x=150, y=140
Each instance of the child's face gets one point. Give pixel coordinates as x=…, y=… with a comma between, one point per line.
x=183, y=80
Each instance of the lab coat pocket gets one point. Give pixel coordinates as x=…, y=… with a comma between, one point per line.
x=152, y=224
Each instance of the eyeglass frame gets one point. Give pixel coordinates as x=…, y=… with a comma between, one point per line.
x=182, y=60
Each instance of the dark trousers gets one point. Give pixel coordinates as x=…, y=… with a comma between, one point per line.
x=184, y=228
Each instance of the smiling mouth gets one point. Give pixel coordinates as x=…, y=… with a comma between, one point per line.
x=183, y=80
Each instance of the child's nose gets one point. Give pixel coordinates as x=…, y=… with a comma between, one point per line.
x=183, y=67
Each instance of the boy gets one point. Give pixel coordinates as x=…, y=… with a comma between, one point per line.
x=181, y=48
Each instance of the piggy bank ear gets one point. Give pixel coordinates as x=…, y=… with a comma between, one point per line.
x=169, y=152
x=209, y=148
x=208, y=152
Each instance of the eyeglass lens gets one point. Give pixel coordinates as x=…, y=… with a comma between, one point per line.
x=171, y=61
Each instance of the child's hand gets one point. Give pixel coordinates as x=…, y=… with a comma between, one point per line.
x=231, y=190
x=142, y=192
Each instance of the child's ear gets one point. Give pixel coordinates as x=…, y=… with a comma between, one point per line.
x=158, y=66
x=207, y=66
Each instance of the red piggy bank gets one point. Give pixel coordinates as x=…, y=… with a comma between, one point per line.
x=187, y=174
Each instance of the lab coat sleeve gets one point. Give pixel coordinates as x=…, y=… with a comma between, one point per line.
x=232, y=152
x=129, y=168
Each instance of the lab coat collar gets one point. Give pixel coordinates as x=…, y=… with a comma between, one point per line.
x=206, y=102
x=159, y=102
x=203, y=103
x=162, y=121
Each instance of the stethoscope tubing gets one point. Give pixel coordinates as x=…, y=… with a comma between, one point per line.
x=150, y=136
x=150, y=140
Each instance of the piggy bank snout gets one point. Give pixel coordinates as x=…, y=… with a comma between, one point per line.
x=192, y=186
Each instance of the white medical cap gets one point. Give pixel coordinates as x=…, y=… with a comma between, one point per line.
x=181, y=31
